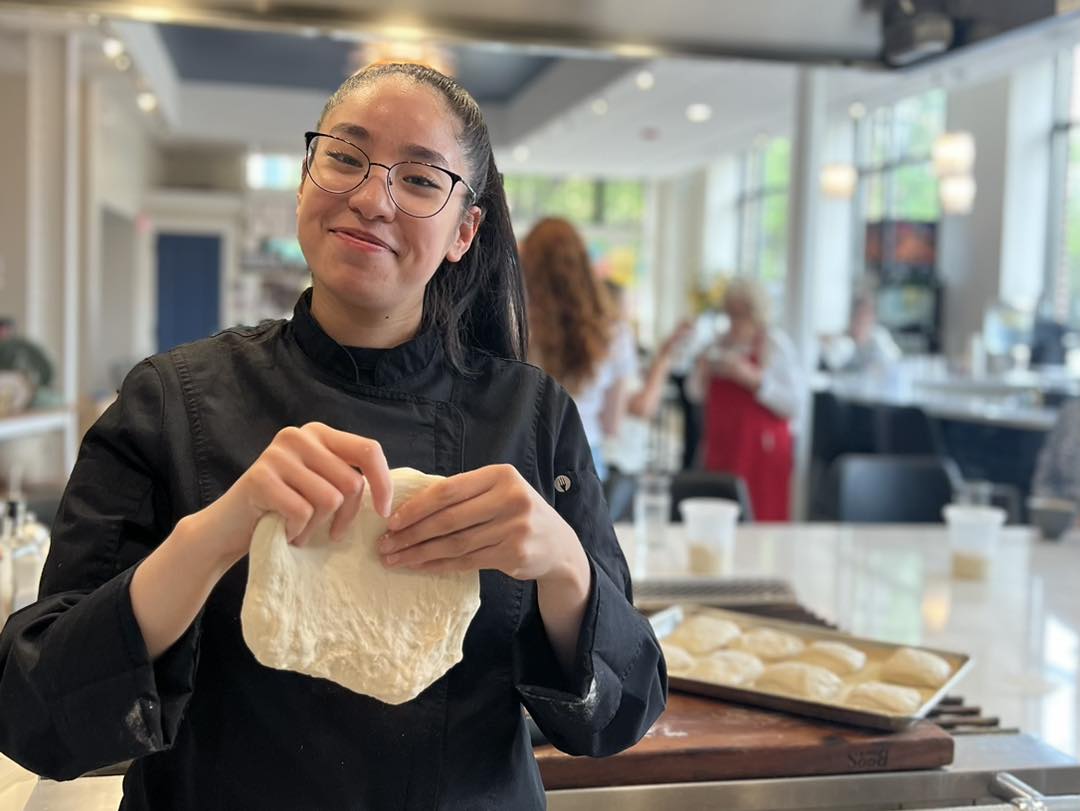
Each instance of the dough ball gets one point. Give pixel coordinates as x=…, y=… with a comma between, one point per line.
x=890, y=699
x=701, y=634
x=800, y=680
x=917, y=668
x=730, y=667
x=767, y=643
x=678, y=660
x=841, y=659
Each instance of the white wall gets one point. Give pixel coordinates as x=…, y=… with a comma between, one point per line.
x=678, y=259
x=13, y=182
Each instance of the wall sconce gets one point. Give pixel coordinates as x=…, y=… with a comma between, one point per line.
x=838, y=180
x=957, y=193
x=954, y=153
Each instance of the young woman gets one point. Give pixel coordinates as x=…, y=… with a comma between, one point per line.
x=751, y=387
x=405, y=352
x=577, y=334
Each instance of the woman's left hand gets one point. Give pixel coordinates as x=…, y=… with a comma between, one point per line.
x=490, y=518
x=739, y=370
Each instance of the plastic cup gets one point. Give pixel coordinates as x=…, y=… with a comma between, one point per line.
x=710, y=534
x=974, y=530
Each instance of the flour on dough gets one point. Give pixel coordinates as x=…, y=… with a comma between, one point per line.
x=768, y=643
x=729, y=667
x=800, y=680
x=841, y=659
x=701, y=633
x=334, y=611
x=885, y=698
x=916, y=668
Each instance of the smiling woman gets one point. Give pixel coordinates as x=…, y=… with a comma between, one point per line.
x=406, y=352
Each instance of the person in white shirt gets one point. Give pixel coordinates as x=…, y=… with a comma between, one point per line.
x=752, y=388
x=576, y=334
x=866, y=347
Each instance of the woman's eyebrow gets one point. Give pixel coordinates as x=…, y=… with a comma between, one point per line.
x=355, y=132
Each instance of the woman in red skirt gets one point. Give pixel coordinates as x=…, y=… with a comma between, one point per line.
x=751, y=385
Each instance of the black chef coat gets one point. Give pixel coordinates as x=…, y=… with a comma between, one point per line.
x=208, y=727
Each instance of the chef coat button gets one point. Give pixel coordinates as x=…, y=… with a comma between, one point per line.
x=562, y=484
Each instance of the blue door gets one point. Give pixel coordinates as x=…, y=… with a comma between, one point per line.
x=188, y=288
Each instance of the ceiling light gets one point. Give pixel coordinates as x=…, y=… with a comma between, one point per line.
x=152, y=14
x=112, y=47
x=520, y=153
x=147, y=101
x=698, y=113
x=857, y=110
x=954, y=153
x=631, y=50
x=838, y=180
x=957, y=193
x=599, y=106
x=645, y=80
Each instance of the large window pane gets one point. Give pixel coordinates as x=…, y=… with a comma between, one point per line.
x=915, y=193
x=778, y=164
x=1071, y=246
x=624, y=202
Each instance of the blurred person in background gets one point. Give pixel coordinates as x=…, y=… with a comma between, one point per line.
x=751, y=386
x=867, y=346
x=577, y=335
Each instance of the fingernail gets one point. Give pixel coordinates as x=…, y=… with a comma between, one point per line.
x=393, y=521
x=391, y=560
x=386, y=544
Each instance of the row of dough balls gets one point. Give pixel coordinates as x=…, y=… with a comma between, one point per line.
x=716, y=650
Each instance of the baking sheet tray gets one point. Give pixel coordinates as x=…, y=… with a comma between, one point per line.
x=666, y=621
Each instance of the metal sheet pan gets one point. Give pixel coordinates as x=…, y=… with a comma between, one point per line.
x=666, y=621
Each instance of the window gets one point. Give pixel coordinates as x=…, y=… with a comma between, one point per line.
x=894, y=148
x=1062, y=283
x=763, y=215
x=265, y=171
x=609, y=214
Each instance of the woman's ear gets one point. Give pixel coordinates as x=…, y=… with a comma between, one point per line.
x=465, y=234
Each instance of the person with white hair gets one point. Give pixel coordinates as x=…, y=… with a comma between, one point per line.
x=751, y=387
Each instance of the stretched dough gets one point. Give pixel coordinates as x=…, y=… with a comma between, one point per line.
x=730, y=667
x=887, y=698
x=917, y=668
x=333, y=610
x=800, y=680
x=701, y=633
x=841, y=659
x=678, y=660
x=768, y=643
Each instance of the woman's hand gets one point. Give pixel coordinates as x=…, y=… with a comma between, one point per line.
x=489, y=518
x=310, y=477
x=735, y=367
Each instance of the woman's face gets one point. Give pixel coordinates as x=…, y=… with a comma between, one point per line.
x=740, y=315
x=362, y=249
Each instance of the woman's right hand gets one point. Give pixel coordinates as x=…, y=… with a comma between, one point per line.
x=311, y=476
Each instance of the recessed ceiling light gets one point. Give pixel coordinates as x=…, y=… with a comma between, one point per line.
x=857, y=110
x=520, y=153
x=112, y=47
x=645, y=80
x=147, y=101
x=698, y=113
x=599, y=106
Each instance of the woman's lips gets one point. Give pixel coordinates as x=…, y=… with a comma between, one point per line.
x=362, y=242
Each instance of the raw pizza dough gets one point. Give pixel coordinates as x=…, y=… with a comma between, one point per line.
x=333, y=610
x=770, y=644
x=800, y=680
x=841, y=659
x=917, y=668
x=701, y=634
x=730, y=667
x=678, y=660
x=887, y=698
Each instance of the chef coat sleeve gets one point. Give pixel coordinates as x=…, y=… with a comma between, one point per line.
x=618, y=686
x=78, y=690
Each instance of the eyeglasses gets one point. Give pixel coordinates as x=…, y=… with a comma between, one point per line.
x=419, y=189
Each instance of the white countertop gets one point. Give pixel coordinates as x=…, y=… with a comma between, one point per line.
x=1021, y=625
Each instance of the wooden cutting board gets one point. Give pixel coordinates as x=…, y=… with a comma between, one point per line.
x=698, y=739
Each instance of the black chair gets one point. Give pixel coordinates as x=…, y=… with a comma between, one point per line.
x=894, y=489
x=708, y=484
x=907, y=431
x=619, y=489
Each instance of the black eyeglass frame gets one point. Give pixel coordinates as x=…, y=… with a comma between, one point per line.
x=454, y=176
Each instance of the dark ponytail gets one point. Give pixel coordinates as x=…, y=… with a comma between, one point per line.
x=478, y=301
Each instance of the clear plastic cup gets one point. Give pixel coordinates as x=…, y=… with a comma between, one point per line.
x=652, y=512
x=710, y=534
x=974, y=530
